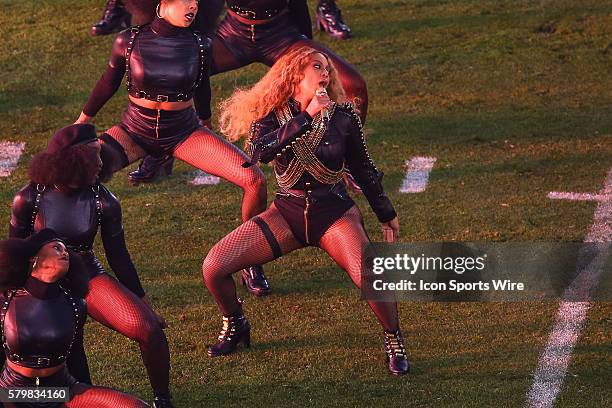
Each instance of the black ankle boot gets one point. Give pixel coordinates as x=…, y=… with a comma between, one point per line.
x=396, y=353
x=150, y=168
x=236, y=330
x=329, y=19
x=163, y=401
x=255, y=281
x=114, y=18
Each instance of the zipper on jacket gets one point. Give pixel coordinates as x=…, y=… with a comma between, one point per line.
x=307, y=198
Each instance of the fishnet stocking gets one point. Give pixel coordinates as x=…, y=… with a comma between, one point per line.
x=131, y=149
x=343, y=241
x=243, y=247
x=119, y=309
x=213, y=154
x=100, y=397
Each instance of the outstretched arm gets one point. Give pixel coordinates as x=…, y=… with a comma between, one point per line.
x=110, y=81
x=366, y=174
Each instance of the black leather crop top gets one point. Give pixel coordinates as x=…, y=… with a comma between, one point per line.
x=342, y=143
x=76, y=215
x=40, y=322
x=164, y=63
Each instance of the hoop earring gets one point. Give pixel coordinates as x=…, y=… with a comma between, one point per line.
x=34, y=264
x=157, y=11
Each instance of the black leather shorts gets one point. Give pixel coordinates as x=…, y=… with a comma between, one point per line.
x=309, y=226
x=11, y=378
x=263, y=43
x=158, y=132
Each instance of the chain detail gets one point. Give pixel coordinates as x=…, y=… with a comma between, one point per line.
x=304, y=149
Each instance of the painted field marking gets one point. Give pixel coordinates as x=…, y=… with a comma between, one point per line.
x=417, y=174
x=202, y=178
x=10, y=152
x=571, y=316
x=561, y=195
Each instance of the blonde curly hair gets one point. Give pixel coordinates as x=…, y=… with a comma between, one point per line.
x=271, y=92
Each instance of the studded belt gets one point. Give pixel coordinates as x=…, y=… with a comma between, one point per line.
x=181, y=97
x=36, y=361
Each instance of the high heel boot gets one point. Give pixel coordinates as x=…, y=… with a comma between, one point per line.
x=114, y=18
x=236, y=330
x=396, y=353
x=255, y=281
x=163, y=401
x=150, y=168
x=329, y=19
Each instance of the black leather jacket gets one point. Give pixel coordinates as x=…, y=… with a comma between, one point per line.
x=343, y=142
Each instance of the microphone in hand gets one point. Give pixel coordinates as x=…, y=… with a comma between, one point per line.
x=324, y=112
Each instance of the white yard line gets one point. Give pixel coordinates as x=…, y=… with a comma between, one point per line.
x=417, y=174
x=202, y=178
x=10, y=152
x=572, y=315
x=562, y=195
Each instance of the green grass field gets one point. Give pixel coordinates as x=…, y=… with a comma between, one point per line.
x=512, y=97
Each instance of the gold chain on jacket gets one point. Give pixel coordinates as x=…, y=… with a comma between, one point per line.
x=304, y=150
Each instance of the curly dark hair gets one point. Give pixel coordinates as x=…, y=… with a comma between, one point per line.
x=75, y=166
x=15, y=257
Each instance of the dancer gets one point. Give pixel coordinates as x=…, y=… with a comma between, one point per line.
x=255, y=31
x=114, y=18
x=42, y=314
x=312, y=138
x=167, y=66
x=64, y=194
x=258, y=31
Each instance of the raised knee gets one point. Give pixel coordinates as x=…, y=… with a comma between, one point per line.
x=151, y=332
x=257, y=181
x=210, y=266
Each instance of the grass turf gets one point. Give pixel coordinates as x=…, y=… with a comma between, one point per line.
x=513, y=99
